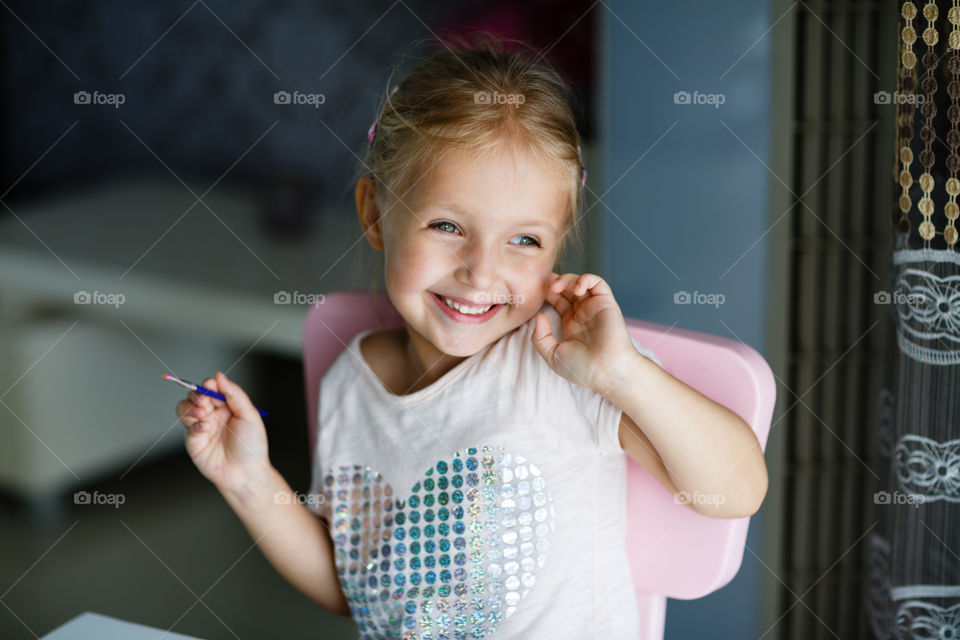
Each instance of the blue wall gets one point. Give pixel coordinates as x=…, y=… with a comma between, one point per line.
x=697, y=200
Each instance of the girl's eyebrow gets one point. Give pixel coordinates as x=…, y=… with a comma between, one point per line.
x=451, y=206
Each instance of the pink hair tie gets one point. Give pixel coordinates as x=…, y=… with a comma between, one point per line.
x=372, y=131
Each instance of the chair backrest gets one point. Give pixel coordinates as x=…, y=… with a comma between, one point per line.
x=673, y=551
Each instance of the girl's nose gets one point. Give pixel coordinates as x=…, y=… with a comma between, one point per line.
x=479, y=265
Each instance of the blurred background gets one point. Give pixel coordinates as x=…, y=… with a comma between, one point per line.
x=176, y=182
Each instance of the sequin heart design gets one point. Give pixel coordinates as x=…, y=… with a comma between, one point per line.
x=450, y=561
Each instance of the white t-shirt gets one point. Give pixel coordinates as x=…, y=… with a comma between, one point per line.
x=490, y=504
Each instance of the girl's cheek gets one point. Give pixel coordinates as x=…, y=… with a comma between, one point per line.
x=402, y=275
x=415, y=260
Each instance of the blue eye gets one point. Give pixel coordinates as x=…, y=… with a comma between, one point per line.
x=533, y=241
x=436, y=225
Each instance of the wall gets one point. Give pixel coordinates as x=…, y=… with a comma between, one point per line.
x=691, y=214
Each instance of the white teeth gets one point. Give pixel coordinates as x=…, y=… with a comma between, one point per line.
x=470, y=311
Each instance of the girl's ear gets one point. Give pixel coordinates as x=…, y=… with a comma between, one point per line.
x=368, y=212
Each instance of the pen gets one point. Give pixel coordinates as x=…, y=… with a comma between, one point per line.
x=202, y=390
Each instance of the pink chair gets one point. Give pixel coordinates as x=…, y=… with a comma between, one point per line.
x=674, y=551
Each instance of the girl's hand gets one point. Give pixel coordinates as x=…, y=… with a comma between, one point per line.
x=227, y=442
x=596, y=349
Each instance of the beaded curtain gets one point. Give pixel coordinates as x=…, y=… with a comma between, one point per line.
x=914, y=554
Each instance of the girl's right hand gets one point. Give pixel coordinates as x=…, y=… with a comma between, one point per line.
x=227, y=442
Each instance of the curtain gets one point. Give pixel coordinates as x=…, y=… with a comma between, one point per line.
x=914, y=554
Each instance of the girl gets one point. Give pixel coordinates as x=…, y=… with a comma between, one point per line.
x=469, y=473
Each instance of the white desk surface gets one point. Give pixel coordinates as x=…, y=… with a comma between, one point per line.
x=94, y=626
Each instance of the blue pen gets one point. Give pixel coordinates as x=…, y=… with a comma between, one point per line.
x=202, y=390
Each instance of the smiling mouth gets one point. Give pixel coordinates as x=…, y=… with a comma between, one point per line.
x=464, y=312
x=463, y=308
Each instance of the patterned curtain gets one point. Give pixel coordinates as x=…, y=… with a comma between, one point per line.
x=915, y=545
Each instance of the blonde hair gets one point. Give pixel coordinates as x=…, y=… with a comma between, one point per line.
x=448, y=102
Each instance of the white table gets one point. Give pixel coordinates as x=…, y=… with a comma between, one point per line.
x=94, y=626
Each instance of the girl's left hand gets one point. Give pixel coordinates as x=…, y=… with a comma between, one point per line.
x=596, y=348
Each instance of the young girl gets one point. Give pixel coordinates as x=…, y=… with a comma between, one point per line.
x=469, y=474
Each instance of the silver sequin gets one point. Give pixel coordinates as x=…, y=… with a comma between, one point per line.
x=452, y=559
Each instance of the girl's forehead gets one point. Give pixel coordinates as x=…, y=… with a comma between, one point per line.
x=512, y=155
x=487, y=174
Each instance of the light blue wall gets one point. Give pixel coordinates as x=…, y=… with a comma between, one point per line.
x=697, y=200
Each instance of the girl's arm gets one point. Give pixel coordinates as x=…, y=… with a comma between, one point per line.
x=293, y=538
x=228, y=444
x=691, y=444
x=709, y=455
